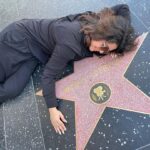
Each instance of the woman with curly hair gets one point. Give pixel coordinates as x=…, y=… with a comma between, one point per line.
x=55, y=42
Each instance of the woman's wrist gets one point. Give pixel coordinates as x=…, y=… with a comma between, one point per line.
x=52, y=109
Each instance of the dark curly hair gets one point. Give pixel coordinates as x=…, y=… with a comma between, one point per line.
x=106, y=25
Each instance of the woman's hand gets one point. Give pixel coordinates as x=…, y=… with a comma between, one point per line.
x=57, y=120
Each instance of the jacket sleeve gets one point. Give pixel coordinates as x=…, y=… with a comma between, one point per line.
x=122, y=10
x=59, y=59
x=73, y=17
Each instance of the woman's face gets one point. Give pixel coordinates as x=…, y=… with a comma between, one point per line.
x=102, y=46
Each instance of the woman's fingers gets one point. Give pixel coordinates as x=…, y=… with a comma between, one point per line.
x=58, y=131
x=61, y=126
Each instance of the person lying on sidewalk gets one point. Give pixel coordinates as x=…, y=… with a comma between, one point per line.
x=54, y=42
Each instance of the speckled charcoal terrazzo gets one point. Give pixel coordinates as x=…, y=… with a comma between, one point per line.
x=121, y=130
x=139, y=71
x=22, y=123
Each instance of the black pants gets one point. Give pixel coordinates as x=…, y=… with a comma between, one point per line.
x=14, y=85
x=17, y=62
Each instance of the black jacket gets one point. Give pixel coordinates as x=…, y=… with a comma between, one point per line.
x=55, y=43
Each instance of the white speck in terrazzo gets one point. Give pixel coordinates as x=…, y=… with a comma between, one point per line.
x=109, y=125
x=124, y=133
x=35, y=125
x=108, y=141
x=129, y=118
x=135, y=131
x=102, y=118
x=143, y=52
x=92, y=143
x=122, y=115
x=119, y=140
x=123, y=143
x=114, y=117
x=117, y=120
x=104, y=135
x=132, y=140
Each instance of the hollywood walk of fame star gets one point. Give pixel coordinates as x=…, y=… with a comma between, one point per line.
x=87, y=73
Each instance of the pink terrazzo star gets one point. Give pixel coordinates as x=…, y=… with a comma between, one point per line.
x=87, y=73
